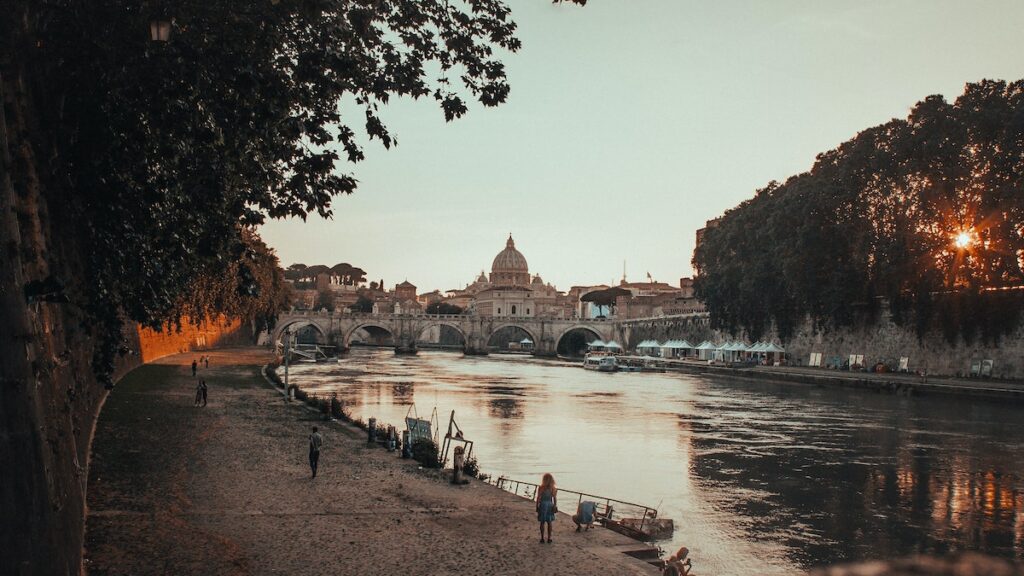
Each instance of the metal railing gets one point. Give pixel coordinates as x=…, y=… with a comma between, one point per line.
x=528, y=490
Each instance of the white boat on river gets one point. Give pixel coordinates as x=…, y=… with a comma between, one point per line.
x=600, y=362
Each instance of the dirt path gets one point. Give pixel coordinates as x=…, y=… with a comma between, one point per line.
x=225, y=489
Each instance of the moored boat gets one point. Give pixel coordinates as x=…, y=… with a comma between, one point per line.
x=643, y=528
x=600, y=362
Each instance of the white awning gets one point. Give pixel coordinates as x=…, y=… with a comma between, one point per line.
x=612, y=344
x=526, y=341
x=676, y=344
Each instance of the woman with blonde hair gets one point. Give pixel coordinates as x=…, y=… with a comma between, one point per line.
x=547, y=504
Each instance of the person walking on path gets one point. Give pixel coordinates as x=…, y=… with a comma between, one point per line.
x=316, y=441
x=547, y=504
x=202, y=387
x=206, y=361
x=199, y=392
x=194, y=366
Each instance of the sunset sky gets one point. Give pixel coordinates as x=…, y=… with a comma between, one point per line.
x=631, y=123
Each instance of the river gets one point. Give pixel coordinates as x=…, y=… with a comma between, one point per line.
x=759, y=477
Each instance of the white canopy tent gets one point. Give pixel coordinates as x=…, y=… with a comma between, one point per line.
x=705, y=350
x=675, y=348
x=649, y=348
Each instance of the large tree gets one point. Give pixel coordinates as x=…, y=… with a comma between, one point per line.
x=924, y=213
x=130, y=166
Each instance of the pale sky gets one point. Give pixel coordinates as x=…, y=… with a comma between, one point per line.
x=632, y=122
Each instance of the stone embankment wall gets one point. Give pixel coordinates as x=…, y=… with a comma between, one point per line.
x=886, y=342
x=883, y=341
x=219, y=331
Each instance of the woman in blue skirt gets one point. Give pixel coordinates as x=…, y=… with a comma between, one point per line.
x=547, y=504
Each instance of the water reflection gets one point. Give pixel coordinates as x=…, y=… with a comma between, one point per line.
x=403, y=393
x=760, y=478
x=505, y=408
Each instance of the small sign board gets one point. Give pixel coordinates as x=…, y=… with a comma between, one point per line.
x=904, y=364
x=418, y=428
x=986, y=368
x=815, y=359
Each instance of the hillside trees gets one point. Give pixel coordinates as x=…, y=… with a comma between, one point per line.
x=130, y=166
x=926, y=214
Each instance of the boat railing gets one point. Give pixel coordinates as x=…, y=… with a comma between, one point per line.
x=528, y=490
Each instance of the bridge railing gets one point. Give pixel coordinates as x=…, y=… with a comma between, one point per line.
x=452, y=317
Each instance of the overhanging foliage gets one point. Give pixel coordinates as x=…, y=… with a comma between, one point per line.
x=926, y=214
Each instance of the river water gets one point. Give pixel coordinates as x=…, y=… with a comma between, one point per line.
x=759, y=477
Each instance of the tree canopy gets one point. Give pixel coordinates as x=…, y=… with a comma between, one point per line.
x=925, y=214
x=440, y=307
x=347, y=274
x=158, y=154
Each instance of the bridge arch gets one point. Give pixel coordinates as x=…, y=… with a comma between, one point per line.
x=500, y=327
x=383, y=326
x=578, y=327
x=419, y=330
x=299, y=324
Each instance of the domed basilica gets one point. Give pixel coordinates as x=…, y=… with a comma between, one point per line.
x=510, y=291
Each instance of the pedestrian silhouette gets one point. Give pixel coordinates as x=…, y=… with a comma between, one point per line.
x=194, y=366
x=316, y=441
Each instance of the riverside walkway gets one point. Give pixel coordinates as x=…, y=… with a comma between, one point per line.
x=175, y=489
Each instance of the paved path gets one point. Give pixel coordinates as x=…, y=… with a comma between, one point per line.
x=225, y=489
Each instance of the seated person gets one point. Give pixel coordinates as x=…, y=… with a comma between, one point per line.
x=585, y=513
x=678, y=564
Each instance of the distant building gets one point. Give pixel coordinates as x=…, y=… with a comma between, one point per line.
x=707, y=226
x=652, y=299
x=405, y=291
x=511, y=291
x=430, y=297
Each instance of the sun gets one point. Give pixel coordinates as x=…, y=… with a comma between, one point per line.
x=963, y=239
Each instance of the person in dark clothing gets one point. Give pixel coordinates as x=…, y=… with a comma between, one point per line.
x=202, y=387
x=316, y=441
x=206, y=362
x=194, y=366
x=199, y=392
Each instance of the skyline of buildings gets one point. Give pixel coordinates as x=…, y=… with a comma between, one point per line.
x=510, y=290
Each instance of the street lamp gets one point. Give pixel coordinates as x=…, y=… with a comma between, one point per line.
x=160, y=29
x=287, y=354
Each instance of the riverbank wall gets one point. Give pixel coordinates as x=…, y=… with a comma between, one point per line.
x=881, y=342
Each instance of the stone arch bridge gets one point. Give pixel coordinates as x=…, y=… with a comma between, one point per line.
x=476, y=331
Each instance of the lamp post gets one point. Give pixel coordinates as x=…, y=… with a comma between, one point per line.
x=287, y=354
x=160, y=29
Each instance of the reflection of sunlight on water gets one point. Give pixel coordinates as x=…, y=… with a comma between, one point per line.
x=759, y=478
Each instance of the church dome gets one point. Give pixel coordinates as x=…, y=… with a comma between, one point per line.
x=509, y=266
x=509, y=259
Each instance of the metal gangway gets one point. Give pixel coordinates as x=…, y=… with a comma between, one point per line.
x=312, y=352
